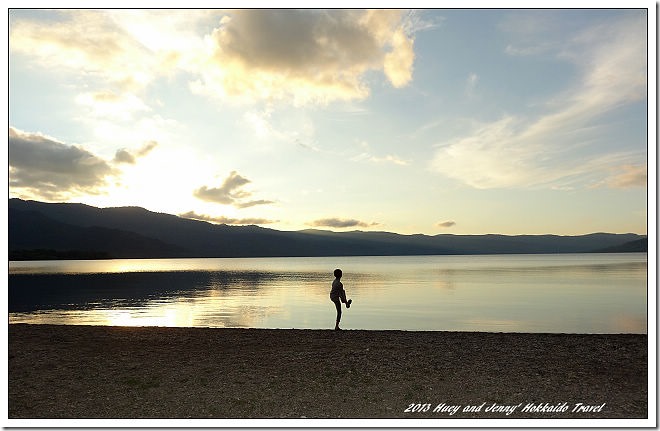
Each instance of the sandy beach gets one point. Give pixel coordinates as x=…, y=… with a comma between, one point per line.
x=149, y=372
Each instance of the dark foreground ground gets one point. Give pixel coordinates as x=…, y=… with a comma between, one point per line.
x=119, y=372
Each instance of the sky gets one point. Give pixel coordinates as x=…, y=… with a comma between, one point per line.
x=432, y=121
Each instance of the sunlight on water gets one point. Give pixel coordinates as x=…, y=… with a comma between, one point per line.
x=590, y=293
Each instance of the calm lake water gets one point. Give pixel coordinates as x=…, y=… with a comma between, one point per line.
x=563, y=293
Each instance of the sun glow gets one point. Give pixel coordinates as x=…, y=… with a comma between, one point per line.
x=153, y=182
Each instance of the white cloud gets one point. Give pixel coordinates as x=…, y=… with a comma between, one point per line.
x=626, y=176
x=259, y=122
x=115, y=55
x=416, y=22
x=256, y=55
x=112, y=106
x=171, y=34
x=535, y=49
x=87, y=41
x=488, y=157
x=125, y=47
x=286, y=128
x=367, y=156
x=471, y=84
x=384, y=159
x=556, y=149
x=398, y=63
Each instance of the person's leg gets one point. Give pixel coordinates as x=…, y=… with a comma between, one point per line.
x=338, y=307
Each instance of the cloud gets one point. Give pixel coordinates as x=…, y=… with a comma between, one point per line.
x=88, y=41
x=366, y=155
x=306, y=56
x=528, y=50
x=530, y=30
x=398, y=63
x=225, y=194
x=471, y=84
x=46, y=168
x=115, y=55
x=627, y=176
x=557, y=149
x=125, y=156
x=302, y=56
x=446, y=224
x=308, y=147
x=226, y=220
x=248, y=204
x=112, y=106
x=385, y=159
x=340, y=223
x=230, y=193
x=103, y=42
x=417, y=21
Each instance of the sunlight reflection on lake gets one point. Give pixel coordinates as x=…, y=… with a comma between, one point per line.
x=586, y=293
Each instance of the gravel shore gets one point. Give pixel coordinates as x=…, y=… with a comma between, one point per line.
x=150, y=372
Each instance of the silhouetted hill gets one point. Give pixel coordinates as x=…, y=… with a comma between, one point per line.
x=32, y=235
x=136, y=232
x=637, y=246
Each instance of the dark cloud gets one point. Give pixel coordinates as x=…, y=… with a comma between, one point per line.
x=272, y=39
x=317, y=55
x=340, y=223
x=230, y=193
x=125, y=156
x=446, y=224
x=227, y=193
x=253, y=203
x=225, y=220
x=146, y=148
x=50, y=169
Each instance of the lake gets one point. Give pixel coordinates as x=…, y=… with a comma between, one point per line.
x=558, y=293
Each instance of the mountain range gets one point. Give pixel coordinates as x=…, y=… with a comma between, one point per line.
x=39, y=230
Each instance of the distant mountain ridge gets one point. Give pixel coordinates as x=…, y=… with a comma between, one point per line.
x=133, y=232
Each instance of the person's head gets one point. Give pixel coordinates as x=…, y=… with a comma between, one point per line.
x=337, y=273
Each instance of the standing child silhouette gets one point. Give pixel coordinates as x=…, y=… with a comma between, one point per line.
x=338, y=294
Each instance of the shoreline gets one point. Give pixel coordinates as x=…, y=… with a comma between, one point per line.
x=101, y=372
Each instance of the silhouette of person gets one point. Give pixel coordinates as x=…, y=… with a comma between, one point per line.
x=338, y=295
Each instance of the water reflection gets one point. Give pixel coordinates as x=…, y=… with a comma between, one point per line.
x=568, y=293
x=178, y=298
